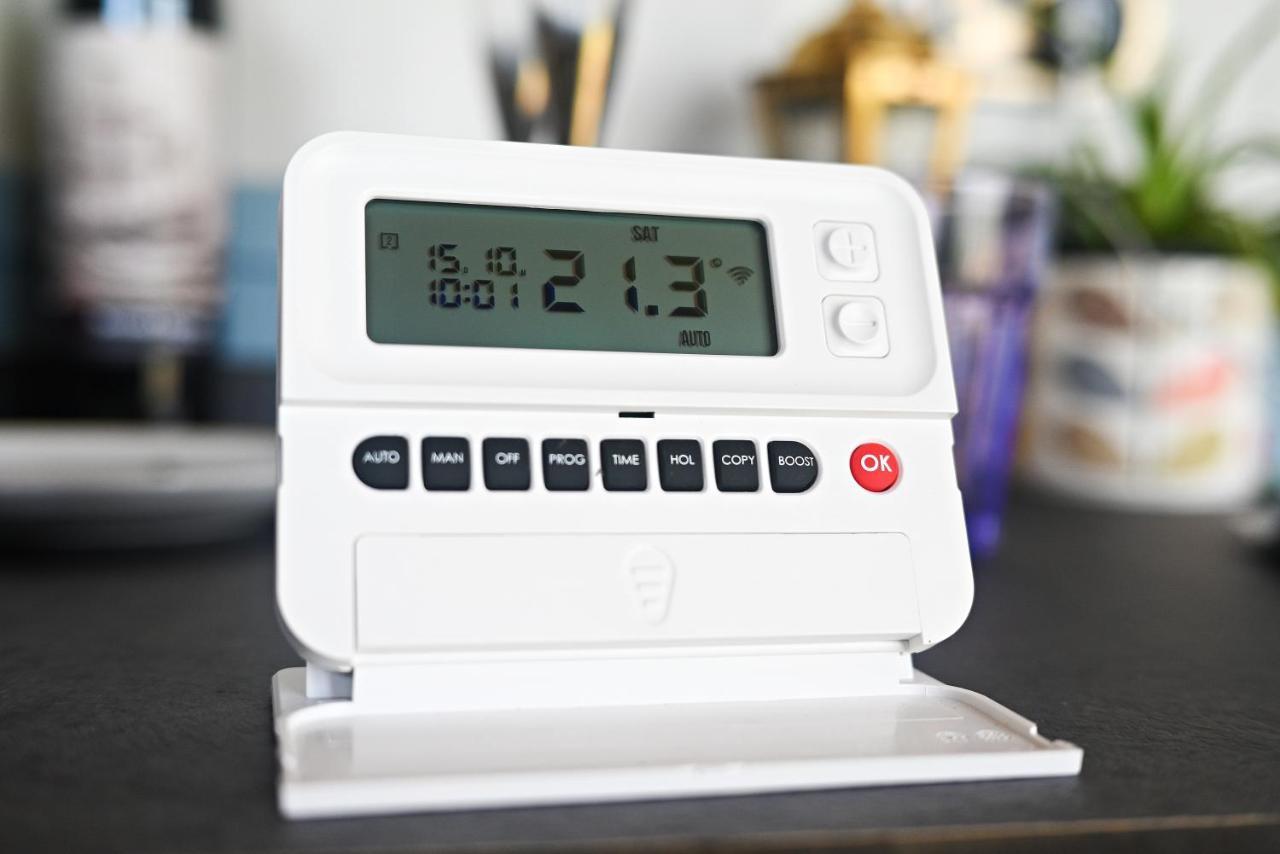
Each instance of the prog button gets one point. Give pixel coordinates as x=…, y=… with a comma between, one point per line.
x=792, y=466
x=566, y=467
x=382, y=462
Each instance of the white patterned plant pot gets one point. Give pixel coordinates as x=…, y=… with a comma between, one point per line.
x=1148, y=381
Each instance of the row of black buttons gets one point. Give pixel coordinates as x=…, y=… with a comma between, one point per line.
x=382, y=462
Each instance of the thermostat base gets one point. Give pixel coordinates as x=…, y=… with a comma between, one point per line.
x=339, y=760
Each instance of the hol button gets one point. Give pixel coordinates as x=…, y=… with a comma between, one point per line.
x=792, y=466
x=680, y=465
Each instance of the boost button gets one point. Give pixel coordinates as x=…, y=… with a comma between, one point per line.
x=792, y=466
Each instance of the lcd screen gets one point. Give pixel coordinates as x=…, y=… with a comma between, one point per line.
x=487, y=276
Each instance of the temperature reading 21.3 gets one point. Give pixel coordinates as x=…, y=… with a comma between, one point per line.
x=499, y=284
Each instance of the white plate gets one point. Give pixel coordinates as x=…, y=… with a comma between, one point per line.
x=125, y=485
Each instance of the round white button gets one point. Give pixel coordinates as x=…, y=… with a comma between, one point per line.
x=850, y=246
x=858, y=322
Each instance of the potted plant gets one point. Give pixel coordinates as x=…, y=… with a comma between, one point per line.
x=1153, y=340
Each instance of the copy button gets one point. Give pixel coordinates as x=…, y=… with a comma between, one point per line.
x=736, y=468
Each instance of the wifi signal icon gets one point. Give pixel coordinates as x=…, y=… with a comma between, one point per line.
x=741, y=274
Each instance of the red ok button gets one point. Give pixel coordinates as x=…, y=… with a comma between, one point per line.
x=874, y=466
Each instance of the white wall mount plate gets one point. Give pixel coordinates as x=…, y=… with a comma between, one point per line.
x=336, y=760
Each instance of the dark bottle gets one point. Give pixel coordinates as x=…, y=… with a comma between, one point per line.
x=134, y=209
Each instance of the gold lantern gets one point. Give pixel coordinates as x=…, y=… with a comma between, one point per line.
x=865, y=66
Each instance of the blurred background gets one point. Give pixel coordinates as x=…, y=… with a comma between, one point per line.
x=1104, y=178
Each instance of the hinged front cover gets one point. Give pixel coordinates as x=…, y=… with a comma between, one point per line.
x=338, y=760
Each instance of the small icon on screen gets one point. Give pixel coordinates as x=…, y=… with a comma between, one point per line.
x=389, y=240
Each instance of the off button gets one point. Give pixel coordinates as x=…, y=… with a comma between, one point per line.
x=506, y=464
x=875, y=468
x=792, y=466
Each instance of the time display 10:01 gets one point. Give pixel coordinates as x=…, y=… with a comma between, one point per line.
x=503, y=275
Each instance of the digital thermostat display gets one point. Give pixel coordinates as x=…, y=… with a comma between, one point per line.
x=488, y=276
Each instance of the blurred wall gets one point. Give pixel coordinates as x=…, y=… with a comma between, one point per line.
x=297, y=68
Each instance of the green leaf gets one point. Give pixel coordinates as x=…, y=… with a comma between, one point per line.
x=1258, y=33
x=1263, y=147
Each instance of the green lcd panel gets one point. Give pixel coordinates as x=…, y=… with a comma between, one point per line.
x=488, y=276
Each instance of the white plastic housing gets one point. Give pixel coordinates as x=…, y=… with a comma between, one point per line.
x=337, y=388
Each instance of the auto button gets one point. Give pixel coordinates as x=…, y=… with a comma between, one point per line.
x=382, y=462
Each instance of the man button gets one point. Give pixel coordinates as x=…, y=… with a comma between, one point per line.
x=446, y=463
x=623, y=465
x=874, y=467
x=506, y=464
x=792, y=466
x=680, y=465
x=737, y=468
x=565, y=465
x=382, y=462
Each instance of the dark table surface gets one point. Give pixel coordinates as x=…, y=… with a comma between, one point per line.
x=134, y=711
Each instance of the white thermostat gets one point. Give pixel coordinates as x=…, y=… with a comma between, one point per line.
x=613, y=475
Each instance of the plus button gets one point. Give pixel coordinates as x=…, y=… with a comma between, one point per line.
x=849, y=246
x=847, y=252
